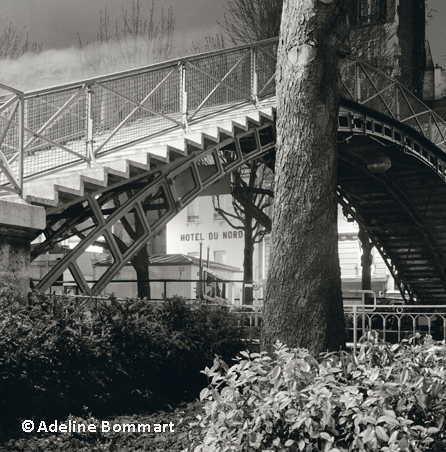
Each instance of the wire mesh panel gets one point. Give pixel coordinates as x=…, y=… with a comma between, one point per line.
x=265, y=67
x=54, y=123
x=10, y=139
x=222, y=79
x=134, y=107
x=438, y=132
x=100, y=115
x=348, y=86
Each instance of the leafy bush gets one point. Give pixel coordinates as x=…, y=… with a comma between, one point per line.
x=388, y=398
x=58, y=355
x=77, y=440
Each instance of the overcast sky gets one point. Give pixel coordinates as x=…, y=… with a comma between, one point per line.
x=56, y=23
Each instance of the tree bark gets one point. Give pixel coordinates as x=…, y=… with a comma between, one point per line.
x=303, y=305
x=140, y=263
x=248, y=296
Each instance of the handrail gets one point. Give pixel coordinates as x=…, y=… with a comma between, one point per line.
x=149, y=67
x=83, y=120
x=77, y=122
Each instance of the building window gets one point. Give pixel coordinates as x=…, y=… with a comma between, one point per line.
x=369, y=12
x=193, y=213
x=220, y=257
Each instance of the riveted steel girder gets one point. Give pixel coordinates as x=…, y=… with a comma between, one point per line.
x=122, y=218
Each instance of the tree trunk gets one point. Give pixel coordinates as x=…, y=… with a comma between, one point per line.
x=140, y=263
x=248, y=297
x=303, y=305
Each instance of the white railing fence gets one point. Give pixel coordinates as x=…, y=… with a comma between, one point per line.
x=43, y=130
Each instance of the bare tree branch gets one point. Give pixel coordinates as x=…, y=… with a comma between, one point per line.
x=137, y=39
x=14, y=42
x=251, y=20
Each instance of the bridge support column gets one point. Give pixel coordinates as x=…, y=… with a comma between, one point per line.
x=20, y=224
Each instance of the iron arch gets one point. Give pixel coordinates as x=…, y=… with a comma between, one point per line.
x=142, y=205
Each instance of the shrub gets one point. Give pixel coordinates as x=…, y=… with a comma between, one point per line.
x=388, y=398
x=58, y=355
x=48, y=367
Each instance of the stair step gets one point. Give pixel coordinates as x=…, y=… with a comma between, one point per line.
x=78, y=179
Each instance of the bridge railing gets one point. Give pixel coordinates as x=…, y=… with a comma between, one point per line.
x=43, y=130
x=11, y=139
x=376, y=90
x=84, y=120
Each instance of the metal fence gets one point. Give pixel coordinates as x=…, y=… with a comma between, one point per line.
x=43, y=130
x=392, y=322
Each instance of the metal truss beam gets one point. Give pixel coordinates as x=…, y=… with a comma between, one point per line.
x=124, y=217
x=350, y=205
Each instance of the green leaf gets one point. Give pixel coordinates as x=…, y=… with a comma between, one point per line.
x=289, y=442
x=388, y=420
x=393, y=437
x=369, y=420
x=368, y=435
x=253, y=437
x=204, y=393
x=276, y=373
x=325, y=436
x=403, y=443
x=216, y=395
x=381, y=433
x=390, y=413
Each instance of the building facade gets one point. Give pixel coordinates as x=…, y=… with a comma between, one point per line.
x=199, y=223
x=390, y=35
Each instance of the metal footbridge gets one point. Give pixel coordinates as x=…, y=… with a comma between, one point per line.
x=128, y=151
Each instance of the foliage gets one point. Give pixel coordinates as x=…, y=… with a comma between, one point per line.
x=174, y=441
x=388, y=398
x=59, y=354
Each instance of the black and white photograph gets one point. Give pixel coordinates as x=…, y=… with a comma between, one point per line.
x=222, y=225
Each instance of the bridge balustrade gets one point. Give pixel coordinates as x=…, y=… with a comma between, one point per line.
x=53, y=127
x=44, y=130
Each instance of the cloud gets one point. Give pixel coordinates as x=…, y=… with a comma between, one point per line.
x=58, y=66
x=32, y=71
